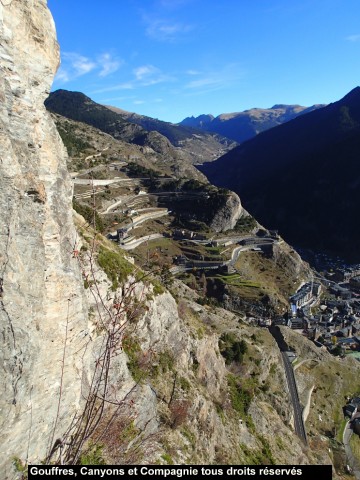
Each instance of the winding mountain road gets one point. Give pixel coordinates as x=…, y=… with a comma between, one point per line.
x=138, y=241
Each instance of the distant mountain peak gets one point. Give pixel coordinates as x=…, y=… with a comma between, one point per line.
x=61, y=92
x=202, y=116
x=198, y=122
x=353, y=97
x=283, y=106
x=242, y=126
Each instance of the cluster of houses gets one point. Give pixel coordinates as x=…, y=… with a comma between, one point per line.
x=344, y=274
x=346, y=282
x=340, y=292
x=347, y=288
x=336, y=326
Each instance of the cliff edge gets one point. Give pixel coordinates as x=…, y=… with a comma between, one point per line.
x=43, y=314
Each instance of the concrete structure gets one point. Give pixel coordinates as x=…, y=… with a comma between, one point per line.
x=304, y=296
x=297, y=323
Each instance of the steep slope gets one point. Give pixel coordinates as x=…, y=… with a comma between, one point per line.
x=174, y=133
x=242, y=126
x=178, y=147
x=192, y=144
x=302, y=177
x=179, y=392
x=183, y=403
x=42, y=304
x=89, y=147
x=79, y=107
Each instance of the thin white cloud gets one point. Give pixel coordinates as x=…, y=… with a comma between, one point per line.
x=192, y=72
x=154, y=81
x=215, y=80
x=143, y=76
x=108, y=64
x=353, y=38
x=74, y=65
x=147, y=75
x=163, y=30
x=145, y=71
x=203, y=82
x=138, y=102
x=79, y=64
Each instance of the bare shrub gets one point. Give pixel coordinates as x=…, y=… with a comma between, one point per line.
x=179, y=410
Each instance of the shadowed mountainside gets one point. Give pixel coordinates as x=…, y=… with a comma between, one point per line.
x=302, y=177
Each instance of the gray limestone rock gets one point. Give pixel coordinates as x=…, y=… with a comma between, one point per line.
x=227, y=216
x=43, y=312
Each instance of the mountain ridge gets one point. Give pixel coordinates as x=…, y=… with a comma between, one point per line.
x=181, y=146
x=175, y=133
x=241, y=126
x=269, y=173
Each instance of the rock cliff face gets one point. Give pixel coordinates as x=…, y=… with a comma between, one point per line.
x=42, y=309
x=227, y=216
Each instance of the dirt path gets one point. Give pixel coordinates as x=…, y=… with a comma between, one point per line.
x=306, y=410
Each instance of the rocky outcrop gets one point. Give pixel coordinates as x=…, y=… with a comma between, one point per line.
x=174, y=384
x=43, y=314
x=290, y=261
x=227, y=216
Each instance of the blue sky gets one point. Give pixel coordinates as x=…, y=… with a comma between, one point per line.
x=170, y=59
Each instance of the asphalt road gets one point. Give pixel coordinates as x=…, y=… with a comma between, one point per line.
x=298, y=420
